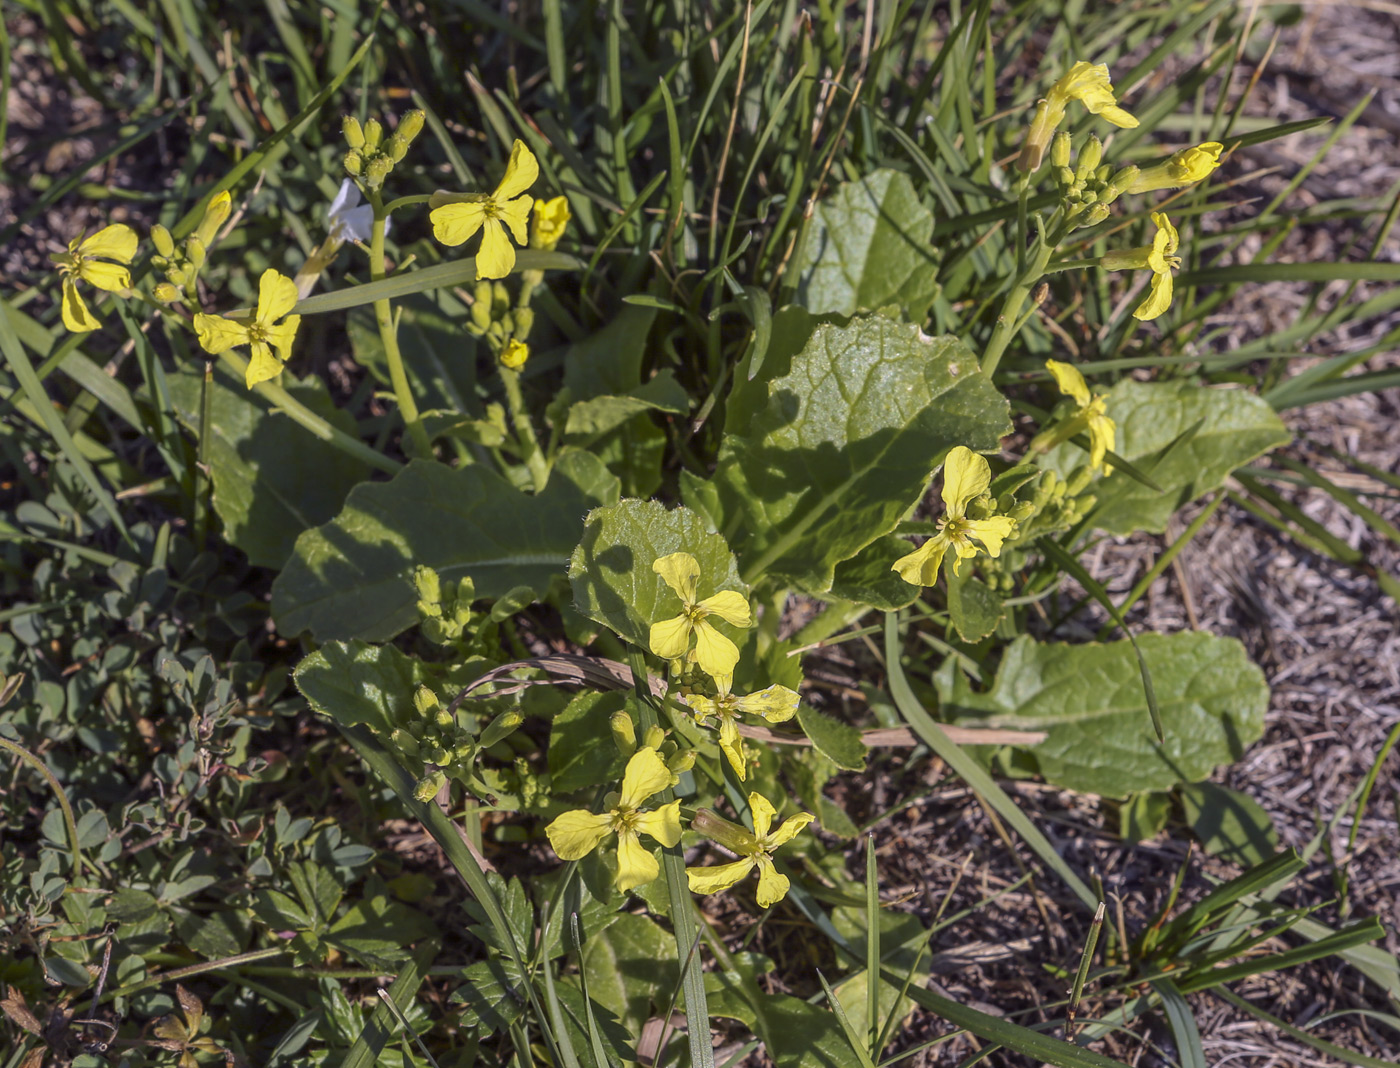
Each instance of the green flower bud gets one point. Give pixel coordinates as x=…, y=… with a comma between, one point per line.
x=177, y=276
x=463, y=753
x=1124, y=180
x=681, y=762
x=166, y=293
x=161, y=238
x=405, y=741
x=411, y=125
x=428, y=786
x=653, y=737
x=428, y=586
x=1097, y=214
x=1089, y=157
x=523, y=320
x=374, y=133
x=376, y=170
x=396, y=148
x=624, y=732
x=354, y=165
x=1079, y=480
x=500, y=300
x=194, y=248
x=1059, y=150
x=425, y=701
x=501, y=727
x=1021, y=511
x=354, y=135
x=1065, y=178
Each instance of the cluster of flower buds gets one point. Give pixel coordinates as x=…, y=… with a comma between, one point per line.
x=624, y=732
x=1091, y=185
x=1044, y=503
x=445, y=613
x=372, y=156
x=503, y=325
x=181, y=263
x=447, y=747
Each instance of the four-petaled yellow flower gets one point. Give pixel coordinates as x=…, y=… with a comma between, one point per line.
x=115, y=242
x=755, y=849
x=1160, y=257
x=1186, y=167
x=549, y=222
x=457, y=216
x=575, y=834
x=277, y=295
x=670, y=639
x=1091, y=417
x=966, y=476
x=776, y=704
x=1086, y=82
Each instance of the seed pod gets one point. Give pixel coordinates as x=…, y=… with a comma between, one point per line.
x=354, y=135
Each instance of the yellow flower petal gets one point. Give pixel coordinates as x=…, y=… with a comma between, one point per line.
x=763, y=813
x=965, y=476
x=76, y=316
x=635, y=864
x=1070, y=381
x=715, y=653
x=516, y=215
x=277, y=295
x=703, y=707
x=776, y=704
x=772, y=887
x=663, y=824
x=109, y=276
x=521, y=172
x=646, y=774
x=731, y=606
x=681, y=572
x=991, y=532
x=670, y=638
x=262, y=364
x=577, y=833
x=550, y=220
x=515, y=354
x=219, y=334
x=496, y=256
x=920, y=568
x=787, y=829
x=215, y=215
x=1102, y=433
x=732, y=746
x=1159, y=300
x=717, y=877
x=280, y=335
x=116, y=242
x=455, y=223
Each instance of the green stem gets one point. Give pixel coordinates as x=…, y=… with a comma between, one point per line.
x=68, y=820
x=384, y=317
x=301, y=414
x=529, y=445
x=404, y=202
x=1008, y=321
x=201, y=476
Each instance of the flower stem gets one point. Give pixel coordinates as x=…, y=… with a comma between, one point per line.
x=301, y=414
x=529, y=444
x=1009, y=320
x=384, y=317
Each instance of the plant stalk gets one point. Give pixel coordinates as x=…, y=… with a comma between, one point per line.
x=384, y=317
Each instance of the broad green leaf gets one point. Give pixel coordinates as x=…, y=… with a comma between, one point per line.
x=600, y=414
x=846, y=444
x=377, y=931
x=631, y=967
x=796, y=1034
x=869, y=576
x=272, y=477
x=1229, y=824
x=438, y=357
x=1143, y=815
x=493, y=996
x=1089, y=701
x=610, y=361
x=355, y=683
x=352, y=577
x=1236, y=426
x=869, y=246
x=840, y=742
x=974, y=607
x=581, y=748
x=611, y=572
x=902, y=937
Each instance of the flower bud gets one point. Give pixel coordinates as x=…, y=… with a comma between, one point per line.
x=410, y=126
x=653, y=738
x=429, y=588
x=396, y=148
x=1089, y=157
x=354, y=135
x=1125, y=181
x=481, y=313
x=353, y=164
x=428, y=786
x=681, y=762
x=1021, y=511
x=523, y=320
x=501, y=727
x=376, y=170
x=733, y=837
x=194, y=249
x=161, y=238
x=515, y=354
x=624, y=732
x=1059, y=150
x=374, y=133
x=1097, y=214
x=166, y=293
x=215, y=215
x=177, y=276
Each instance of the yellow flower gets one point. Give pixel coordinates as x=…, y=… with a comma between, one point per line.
x=115, y=242
x=277, y=295
x=1091, y=416
x=549, y=222
x=457, y=216
x=670, y=639
x=1086, y=82
x=1186, y=167
x=966, y=476
x=215, y=215
x=515, y=354
x=1160, y=257
x=776, y=704
x=755, y=849
x=575, y=834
